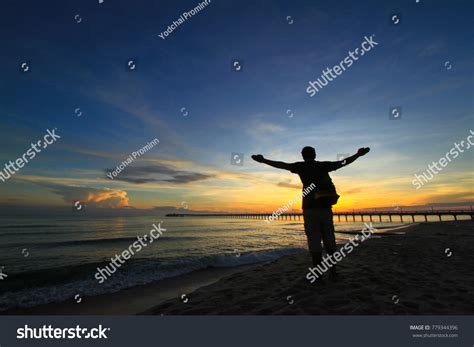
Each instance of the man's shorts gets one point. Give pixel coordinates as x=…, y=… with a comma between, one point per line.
x=318, y=224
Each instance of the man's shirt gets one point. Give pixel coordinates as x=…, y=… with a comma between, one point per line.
x=316, y=172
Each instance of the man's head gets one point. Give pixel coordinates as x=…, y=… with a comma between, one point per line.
x=308, y=153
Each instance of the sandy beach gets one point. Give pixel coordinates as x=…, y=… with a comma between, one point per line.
x=133, y=300
x=408, y=270
x=425, y=271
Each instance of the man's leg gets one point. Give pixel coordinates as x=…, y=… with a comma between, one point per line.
x=311, y=226
x=329, y=239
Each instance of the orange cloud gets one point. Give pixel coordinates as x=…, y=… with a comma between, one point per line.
x=109, y=198
x=94, y=197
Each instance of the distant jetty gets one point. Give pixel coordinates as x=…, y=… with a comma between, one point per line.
x=368, y=215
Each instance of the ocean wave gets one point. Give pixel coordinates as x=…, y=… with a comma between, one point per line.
x=15, y=226
x=28, y=233
x=60, y=284
x=101, y=241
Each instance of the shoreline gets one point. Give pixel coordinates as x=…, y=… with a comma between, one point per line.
x=425, y=271
x=142, y=298
x=133, y=300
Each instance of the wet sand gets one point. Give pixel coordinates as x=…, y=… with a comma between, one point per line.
x=410, y=273
x=406, y=271
x=133, y=300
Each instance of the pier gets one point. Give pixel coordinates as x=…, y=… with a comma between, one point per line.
x=359, y=216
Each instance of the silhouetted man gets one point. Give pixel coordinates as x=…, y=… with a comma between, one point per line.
x=317, y=211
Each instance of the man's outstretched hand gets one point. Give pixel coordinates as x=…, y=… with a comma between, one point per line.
x=258, y=157
x=363, y=151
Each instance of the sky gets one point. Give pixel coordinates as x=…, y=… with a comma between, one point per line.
x=184, y=92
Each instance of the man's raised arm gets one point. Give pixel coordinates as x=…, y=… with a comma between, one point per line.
x=362, y=151
x=277, y=164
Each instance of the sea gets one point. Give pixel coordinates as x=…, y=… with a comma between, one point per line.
x=44, y=260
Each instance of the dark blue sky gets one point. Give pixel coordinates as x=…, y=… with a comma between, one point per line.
x=84, y=65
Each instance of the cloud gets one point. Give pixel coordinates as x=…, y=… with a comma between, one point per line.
x=352, y=191
x=455, y=197
x=288, y=185
x=269, y=128
x=158, y=173
x=259, y=128
x=172, y=209
x=430, y=49
x=92, y=197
